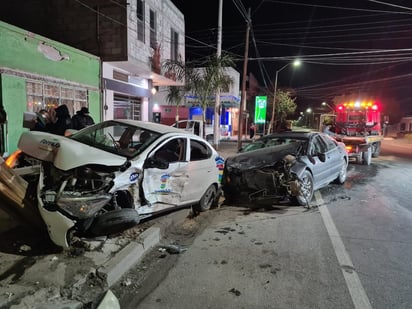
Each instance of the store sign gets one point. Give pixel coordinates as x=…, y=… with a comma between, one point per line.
x=260, y=109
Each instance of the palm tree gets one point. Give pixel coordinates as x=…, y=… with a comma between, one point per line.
x=210, y=79
x=174, y=96
x=203, y=79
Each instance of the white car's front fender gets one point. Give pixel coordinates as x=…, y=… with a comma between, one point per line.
x=57, y=224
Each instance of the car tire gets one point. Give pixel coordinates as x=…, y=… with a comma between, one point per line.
x=209, y=138
x=342, y=174
x=306, y=183
x=208, y=199
x=115, y=221
x=376, y=150
x=367, y=157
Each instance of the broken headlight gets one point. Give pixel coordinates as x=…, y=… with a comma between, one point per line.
x=82, y=207
x=80, y=193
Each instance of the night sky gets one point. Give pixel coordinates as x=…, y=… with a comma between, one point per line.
x=360, y=46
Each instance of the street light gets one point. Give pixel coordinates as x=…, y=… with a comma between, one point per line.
x=295, y=63
x=310, y=119
x=331, y=108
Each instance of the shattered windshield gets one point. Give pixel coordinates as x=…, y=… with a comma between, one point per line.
x=273, y=141
x=118, y=138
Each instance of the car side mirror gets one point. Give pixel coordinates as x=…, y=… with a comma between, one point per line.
x=321, y=156
x=154, y=162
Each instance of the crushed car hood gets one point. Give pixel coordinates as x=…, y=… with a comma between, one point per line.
x=64, y=152
x=261, y=157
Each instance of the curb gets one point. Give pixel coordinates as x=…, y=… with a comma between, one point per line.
x=112, y=270
x=110, y=264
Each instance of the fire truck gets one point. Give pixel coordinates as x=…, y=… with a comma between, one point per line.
x=358, y=125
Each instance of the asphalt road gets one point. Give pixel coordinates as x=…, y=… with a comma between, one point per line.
x=352, y=251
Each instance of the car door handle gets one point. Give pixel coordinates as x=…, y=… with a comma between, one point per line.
x=178, y=174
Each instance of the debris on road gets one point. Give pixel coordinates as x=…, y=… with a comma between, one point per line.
x=173, y=249
x=235, y=291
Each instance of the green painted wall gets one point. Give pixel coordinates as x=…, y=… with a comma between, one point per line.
x=19, y=52
x=14, y=102
x=95, y=106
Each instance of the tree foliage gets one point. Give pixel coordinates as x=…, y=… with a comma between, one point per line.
x=203, y=79
x=175, y=95
x=285, y=106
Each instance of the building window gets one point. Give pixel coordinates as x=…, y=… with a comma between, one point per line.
x=153, y=36
x=42, y=95
x=140, y=20
x=125, y=107
x=174, y=45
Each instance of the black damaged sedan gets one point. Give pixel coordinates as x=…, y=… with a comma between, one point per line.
x=289, y=165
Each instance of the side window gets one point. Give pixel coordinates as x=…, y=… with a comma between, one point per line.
x=172, y=151
x=318, y=146
x=199, y=151
x=330, y=143
x=140, y=20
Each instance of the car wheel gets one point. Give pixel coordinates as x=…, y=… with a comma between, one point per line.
x=342, y=173
x=376, y=150
x=209, y=138
x=367, y=157
x=306, y=190
x=208, y=199
x=115, y=221
x=71, y=237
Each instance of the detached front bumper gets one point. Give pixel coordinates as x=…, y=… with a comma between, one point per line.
x=253, y=186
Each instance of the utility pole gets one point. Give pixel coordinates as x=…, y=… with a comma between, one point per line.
x=244, y=76
x=216, y=126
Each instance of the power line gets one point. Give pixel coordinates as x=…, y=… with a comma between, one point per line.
x=338, y=7
x=390, y=4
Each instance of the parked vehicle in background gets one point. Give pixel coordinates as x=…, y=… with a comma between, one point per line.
x=358, y=126
x=288, y=165
x=405, y=125
x=108, y=176
x=196, y=127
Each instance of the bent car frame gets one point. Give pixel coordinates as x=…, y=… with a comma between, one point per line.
x=107, y=177
x=289, y=165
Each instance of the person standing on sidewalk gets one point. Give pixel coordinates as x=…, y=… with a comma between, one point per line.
x=62, y=120
x=252, y=130
x=82, y=119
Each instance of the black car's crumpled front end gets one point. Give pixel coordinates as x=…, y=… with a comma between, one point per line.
x=261, y=175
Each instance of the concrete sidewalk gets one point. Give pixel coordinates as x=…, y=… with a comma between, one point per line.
x=74, y=278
